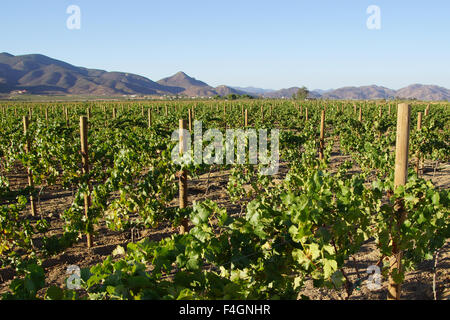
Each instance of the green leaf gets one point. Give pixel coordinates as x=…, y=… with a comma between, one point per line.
x=138, y=282
x=186, y=294
x=435, y=199
x=338, y=279
x=315, y=251
x=118, y=251
x=192, y=264
x=54, y=293
x=329, y=267
x=397, y=276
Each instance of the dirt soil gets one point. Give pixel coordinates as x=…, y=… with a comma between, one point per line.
x=53, y=201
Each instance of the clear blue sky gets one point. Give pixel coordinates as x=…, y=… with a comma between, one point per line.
x=269, y=44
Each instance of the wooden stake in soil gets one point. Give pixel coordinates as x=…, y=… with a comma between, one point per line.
x=246, y=118
x=401, y=174
x=322, y=135
x=85, y=163
x=419, y=127
x=66, y=112
x=427, y=110
x=360, y=114
x=29, y=171
x=183, y=192
x=149, y=118
x=190, y=119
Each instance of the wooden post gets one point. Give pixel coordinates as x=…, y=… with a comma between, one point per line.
x=419, y=127
x=360, y=114
x=322, y=135
x=149, y=118
x=389, y=110
x=88, y=113
x=142, y=111
x=190, y=119
x=401, y=174
x=29, y=171
x=66, y=112
x=380, y=112
x=427, y=110
x=85, y=163
x=46, y=115
x=246, y=118
x=354, y=108
x=114, y=113
x=182, y=179
x=306, y=113
x=262, y=113
x=166, y=111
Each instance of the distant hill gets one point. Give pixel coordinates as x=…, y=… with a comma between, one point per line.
x=360, y=93
x=415, y=91
x=183, y=81
x=424, y=92
x=39, y=74
x=287, y=93
x=186, y=85
x=253, y=90
x=225, y=90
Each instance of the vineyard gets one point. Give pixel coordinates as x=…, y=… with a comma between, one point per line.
x=92, y=206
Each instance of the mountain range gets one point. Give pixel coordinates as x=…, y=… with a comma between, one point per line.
x=39, y=74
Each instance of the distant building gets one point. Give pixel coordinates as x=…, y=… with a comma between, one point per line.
x=19, y=92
